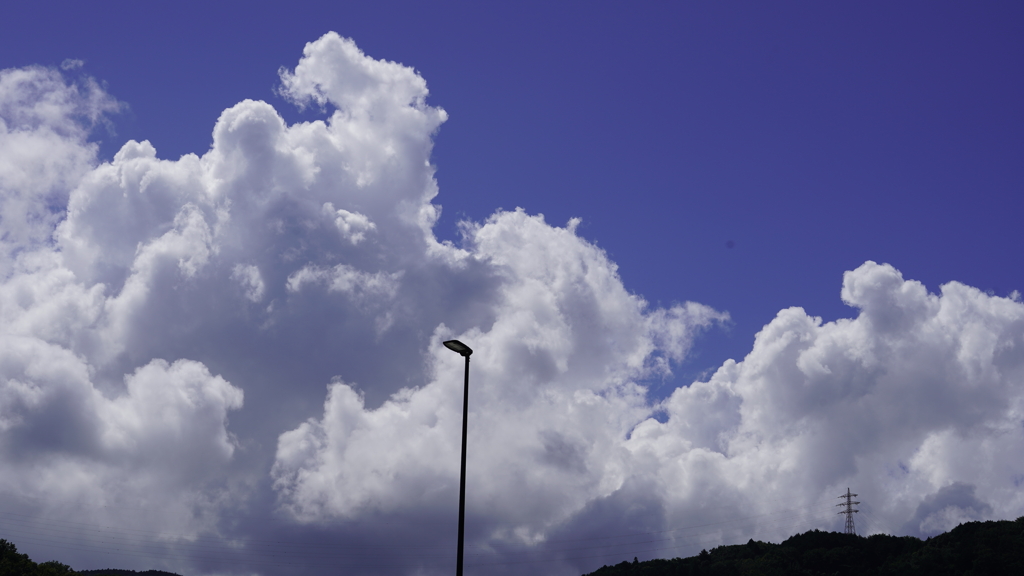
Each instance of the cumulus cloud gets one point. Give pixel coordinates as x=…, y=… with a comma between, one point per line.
x=352, y=225
x=44, y=125
x=65, y=436
x=917, y=401
x=918, y=393
x=555, y=392
x=950, y=506
x=294, y=267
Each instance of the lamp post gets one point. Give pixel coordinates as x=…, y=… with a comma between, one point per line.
x=465, y=351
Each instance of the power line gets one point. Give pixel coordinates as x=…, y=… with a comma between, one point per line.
x=122, y=541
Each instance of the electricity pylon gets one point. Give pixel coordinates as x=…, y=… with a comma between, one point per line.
x=849, y=511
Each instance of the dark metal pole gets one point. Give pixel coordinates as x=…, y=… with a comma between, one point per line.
x=462, y=481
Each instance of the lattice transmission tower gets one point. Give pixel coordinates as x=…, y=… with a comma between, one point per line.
x=849, y=511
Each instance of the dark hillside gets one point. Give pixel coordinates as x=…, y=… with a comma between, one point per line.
x=14, y=564
x=974, y=548
x=116, y=572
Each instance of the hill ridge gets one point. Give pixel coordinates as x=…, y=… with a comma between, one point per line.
x=972, y=548
x=985, y=547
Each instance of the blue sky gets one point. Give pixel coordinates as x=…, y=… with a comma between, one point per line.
x=813, y=137
x=726, y=158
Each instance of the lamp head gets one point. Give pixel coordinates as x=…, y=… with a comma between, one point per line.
x=456, y=346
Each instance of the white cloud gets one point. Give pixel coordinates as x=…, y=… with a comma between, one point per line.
x=920, y=392
x=44, y=122
x=290, y=257
x=71, y=437
x=248, y=277
x=352, y=225
x=917, y=393
x=344, y=278
x=65, y=443
x=555, y=393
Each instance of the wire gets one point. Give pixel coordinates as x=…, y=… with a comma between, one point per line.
x=130, y=542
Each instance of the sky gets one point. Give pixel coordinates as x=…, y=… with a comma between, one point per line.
x=717, y=262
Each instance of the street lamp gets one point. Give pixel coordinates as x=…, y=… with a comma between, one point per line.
x=456, y=346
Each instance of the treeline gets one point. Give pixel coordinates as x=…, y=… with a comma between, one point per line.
x=14, y=564
x=116, y=572
x=974, y=548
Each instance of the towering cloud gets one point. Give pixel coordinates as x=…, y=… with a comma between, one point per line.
x=918, y=393
x=204, y=357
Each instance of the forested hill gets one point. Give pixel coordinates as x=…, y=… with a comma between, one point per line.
x=974, y=548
